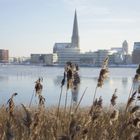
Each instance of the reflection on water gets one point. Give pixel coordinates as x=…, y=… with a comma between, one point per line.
x=124, y=81
x=3, y=78
x=123, y=84
x=75, y=93
x=21, y=79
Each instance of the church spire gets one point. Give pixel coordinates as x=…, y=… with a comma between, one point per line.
x=75, y=35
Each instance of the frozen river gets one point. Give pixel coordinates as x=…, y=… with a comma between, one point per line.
x=21, y=79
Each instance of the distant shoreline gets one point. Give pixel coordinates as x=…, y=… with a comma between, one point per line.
x=88, y=66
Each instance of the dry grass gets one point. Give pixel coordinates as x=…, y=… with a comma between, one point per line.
x=43, y=124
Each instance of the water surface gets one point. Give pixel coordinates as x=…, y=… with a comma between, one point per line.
x=21, y=79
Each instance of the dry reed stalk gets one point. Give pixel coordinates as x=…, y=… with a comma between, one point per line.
x=9, y=131
x=73, y=81
x=130, y=100
x=74, y=128
x=62, y=84
x=91, y=109
x=66, y=98
x=31, y=99
x=69, y=73
x=135, y=79
x=71, y=106
x=102, y=76
x=80, y=100
x=57, y=114
x=130, y=93
x=138, y=96
x=59, y=102
x=27, y=120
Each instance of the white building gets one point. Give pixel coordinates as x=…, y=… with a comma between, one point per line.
x=69, y=51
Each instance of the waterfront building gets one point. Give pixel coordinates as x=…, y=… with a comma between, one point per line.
x=36, y=58
x=19, y=60
x=50, y=59
x=46, y=59
x=136, y=53
x=4, y=56
x=69, y=51
x=101, y=55
x=88, y=58
x=118, y=58
x=116, y=49
x=128, y=59
x=121, y=55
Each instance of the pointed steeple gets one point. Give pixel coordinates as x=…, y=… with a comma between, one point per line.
x=75, y=35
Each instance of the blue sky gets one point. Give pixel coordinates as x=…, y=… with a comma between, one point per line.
x=33, y=26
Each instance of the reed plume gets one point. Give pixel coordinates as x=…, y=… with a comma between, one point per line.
x=136, y=80
x=114, y=116
x=68, y=69
x=135, y=109
x=103, y=72
x=73, y=81
x=114, y=97
x=38, y=86
x=136, y=123
x=41, y=101
x=11, y=105
x=130, y=100
x=102, y=76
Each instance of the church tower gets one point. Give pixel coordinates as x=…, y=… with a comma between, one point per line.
x=125, y=47
x=75, y=35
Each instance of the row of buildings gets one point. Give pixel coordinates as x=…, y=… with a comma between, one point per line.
x=70, y=51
